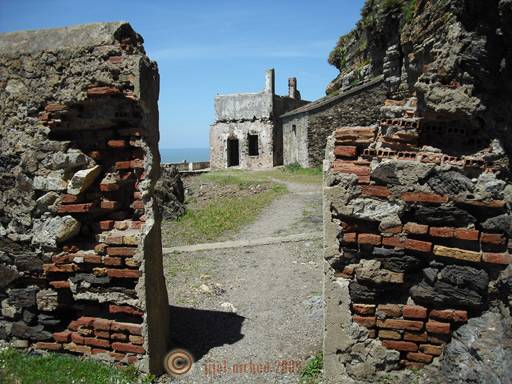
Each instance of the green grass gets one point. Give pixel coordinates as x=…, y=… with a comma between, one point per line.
x=21, y=368
x=312, y=371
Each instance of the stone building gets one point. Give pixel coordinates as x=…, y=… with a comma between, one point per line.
x=247, y=132
x=305, y=129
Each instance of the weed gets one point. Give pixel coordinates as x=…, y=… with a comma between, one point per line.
x=311, y=372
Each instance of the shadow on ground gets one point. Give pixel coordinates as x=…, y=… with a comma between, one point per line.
x=198, y=330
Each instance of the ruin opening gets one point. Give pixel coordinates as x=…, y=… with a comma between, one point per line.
x=232, y=152
x=252, y=141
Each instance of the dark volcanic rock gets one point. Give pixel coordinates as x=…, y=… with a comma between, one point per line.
x=8, y=274
x=501, y=223
x=450, y=183
x=28, y=262
x=480, y=352
x=361, y=293
x=441, y=216
x=465, y=277
x=23, y=331
x=402, y=264
x=23, y=297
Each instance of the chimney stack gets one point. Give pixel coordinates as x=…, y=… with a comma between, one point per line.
x=270, y=81
x=293, y=92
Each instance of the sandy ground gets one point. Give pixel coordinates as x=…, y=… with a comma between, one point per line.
x=257, y=308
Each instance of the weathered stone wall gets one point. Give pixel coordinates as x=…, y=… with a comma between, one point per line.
x=306, y=145
x=80, y=229
x=417, y=242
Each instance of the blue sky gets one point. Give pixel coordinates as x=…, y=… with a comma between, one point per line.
x=209, y=47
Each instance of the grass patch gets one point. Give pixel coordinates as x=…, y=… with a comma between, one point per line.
x=222, y=215
x=312, y=371
x=21, y=368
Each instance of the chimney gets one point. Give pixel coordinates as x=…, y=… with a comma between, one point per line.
x=292, y=88
x=270, y=82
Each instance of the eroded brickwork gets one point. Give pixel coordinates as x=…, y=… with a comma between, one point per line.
x=417, y=238
x=80, y=228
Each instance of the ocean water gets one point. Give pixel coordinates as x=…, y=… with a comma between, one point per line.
x=177, y=155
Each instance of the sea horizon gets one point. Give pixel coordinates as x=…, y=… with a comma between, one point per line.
x=178, y=155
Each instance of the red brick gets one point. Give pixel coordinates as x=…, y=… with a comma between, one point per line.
x=368, y=238
x=136, y=224
x=117, y=356
x=60, y=284
x=390, y=310
x=350, y=237
x=119, y=336
x=493, y=238
x=124, y=309
x=55, y=107
x=438, y=327
x=74, y=325
x=438, y=339
x=102, y=324
x=117, y=143
x=62, y=268
x=363, y=309
x=434, y=350
x=408, y=325
x=112, y=261
x=345, y=151
x=388, y=334
x=64, y=258
x=96, y=155
x=414, y=312
x=114, y=240
x=421, y=197
x=124, y=273
x=497, y=258
x=412, y=364
x=102, y=91
x=138, y=204
x=76, y=208
x=449, y=315
x=137, y=195
x=106, y=204
x=122, y=165
x=393, y=241
x=62, y=337
x=69, y=199
x=92, y=259
x=349, y=167
x=106, y=225
x=137, y=164
x=48, y=346
x=97, y=351
x=393, y=230
x=100, y=248
x=406, y=346
x=442, y=231
x=419, y=357
x=466, y=234
x=134, y=329
x=100, y=343
x=418, y=245
x=365, y=321
x=109, y=187
x=77, y=338
x=121, y=251
x=127, y=347
x=415, y=336
x=416, y=229
x=102, y=334
x=115, y=59
x=375, y=190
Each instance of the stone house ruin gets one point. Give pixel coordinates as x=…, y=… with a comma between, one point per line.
x=305, y=129
x=247, y=132
x=80, y=249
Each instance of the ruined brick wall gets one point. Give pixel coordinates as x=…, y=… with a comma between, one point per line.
x=417, y=239
x=79, y=227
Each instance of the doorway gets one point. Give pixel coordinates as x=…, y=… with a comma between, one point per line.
x=233, y=152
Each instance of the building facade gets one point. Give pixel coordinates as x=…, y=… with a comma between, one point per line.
x=247, y=133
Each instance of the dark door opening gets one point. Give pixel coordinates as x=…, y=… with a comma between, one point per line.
x=233, y=152
x=253, y=145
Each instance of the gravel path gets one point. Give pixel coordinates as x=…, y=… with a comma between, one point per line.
x=256, y=308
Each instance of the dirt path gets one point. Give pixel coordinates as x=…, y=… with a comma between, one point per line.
x=274, y=291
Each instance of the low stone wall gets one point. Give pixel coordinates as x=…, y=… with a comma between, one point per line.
x=417, y=250
x=80, y=230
